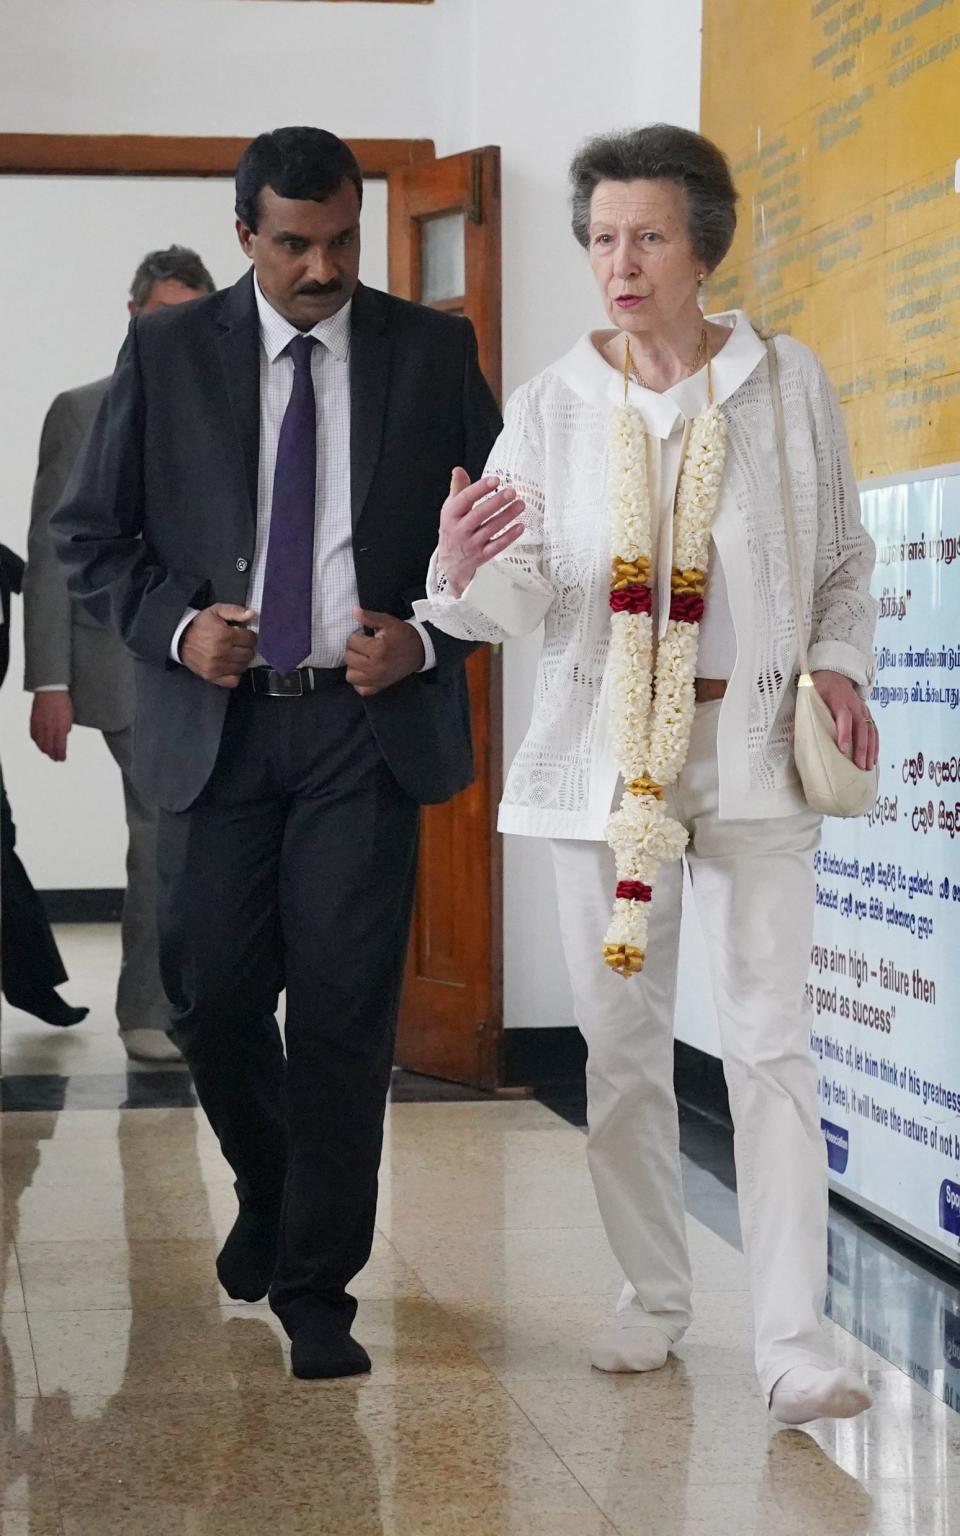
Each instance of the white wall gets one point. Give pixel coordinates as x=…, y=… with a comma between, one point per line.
x=216, y=67
x=534, y=76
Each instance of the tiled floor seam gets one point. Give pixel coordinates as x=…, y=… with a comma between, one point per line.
x=560, y=1457
x=501, y=1385
x=450, y=1321
x=26, y=1314
x=47, y=1443
x=48, y=1449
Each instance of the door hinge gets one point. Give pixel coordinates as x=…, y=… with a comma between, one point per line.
x=475, y=202
x=480, y=1046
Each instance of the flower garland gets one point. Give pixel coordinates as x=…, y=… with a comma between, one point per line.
x=653, y=704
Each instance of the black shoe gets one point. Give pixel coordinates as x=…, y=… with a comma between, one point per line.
x=322, y=1349
x=50, y=1008
x=246, y=1262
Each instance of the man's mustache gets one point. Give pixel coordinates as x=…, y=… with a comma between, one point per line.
x=320, y=290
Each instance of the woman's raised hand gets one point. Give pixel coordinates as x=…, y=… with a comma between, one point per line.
x=477, y=522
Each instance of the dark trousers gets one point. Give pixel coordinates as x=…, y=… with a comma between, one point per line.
x=30, y=960
x=295, y=868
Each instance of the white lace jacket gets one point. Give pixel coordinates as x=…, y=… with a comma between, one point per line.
x=553, y=449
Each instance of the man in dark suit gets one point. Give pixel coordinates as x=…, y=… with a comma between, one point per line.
x=30, y=965
x=255, y=512
x=80, y=673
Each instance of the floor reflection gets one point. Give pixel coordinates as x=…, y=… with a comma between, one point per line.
x=155, y=1393
x=26, y=1480
x=135, y=1400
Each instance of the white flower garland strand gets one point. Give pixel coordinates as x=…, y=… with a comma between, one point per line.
x=652, y=719
x=631, y=648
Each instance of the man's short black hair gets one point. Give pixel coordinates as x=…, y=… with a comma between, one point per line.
x=303, y=163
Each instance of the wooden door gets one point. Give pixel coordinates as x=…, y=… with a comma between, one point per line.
x=444, y=251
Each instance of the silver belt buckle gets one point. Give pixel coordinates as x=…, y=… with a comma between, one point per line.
x=285, y=685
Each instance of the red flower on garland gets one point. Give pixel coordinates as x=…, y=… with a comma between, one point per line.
x=632, y=599
x=686, y=607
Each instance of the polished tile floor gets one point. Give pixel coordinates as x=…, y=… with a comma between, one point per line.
x=136, y=1401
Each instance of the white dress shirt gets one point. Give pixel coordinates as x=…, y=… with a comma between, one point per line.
x=335, y=593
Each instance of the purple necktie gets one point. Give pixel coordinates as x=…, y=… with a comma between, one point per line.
x=286, y=609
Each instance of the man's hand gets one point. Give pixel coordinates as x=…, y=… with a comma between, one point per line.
x=857, y=735
x=216, y=646
x=477, y=522
x=377, y=661
x=51, y=720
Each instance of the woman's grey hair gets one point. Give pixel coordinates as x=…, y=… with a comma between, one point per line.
x=662, y=152
x=178, y=263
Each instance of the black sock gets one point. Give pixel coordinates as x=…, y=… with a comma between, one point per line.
x=246, y=1262
x=323, y=1349
x=50, y=1007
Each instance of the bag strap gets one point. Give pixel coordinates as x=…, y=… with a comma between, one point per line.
x=786, y=494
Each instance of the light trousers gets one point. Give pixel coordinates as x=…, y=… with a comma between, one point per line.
x=753, y=883
x=141, y=1000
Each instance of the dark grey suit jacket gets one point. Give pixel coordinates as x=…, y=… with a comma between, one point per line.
x=160, y=514
x=63, y=644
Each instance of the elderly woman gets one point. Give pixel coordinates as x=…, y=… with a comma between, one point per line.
x=633, y=506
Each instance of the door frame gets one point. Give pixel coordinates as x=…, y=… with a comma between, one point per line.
x=469, y=182
x=149, y=155
x=143, y=154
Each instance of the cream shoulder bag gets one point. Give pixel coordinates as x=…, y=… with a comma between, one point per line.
x=832, y=783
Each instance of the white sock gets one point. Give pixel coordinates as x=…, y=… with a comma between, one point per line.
x=813, y=1392
x=639, y=1347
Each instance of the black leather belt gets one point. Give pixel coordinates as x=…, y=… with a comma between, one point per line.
x=291, y=685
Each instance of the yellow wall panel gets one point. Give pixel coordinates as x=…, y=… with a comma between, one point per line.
x=842, y=121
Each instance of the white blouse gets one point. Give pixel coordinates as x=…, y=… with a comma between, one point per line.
x=553, y=448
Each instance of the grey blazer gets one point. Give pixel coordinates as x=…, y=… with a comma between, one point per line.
x=63, y=643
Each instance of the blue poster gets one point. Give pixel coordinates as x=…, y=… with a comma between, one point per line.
x=885, y=978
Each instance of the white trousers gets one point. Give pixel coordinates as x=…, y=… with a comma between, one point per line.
x=754, y=887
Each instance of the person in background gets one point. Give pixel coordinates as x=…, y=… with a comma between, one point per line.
x=81, y=674
x=254, y=512
x=30, y=965
x=653, y=550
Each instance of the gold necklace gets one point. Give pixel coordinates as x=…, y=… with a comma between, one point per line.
x=701, y=357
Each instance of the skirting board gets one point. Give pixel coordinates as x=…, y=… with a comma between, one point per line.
x=542, y=1058
x=88, y=905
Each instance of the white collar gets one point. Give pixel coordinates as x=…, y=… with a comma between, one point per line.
x=591, y=376
x=277, y=333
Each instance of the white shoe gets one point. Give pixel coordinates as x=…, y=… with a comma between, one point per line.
x=149, y=1045
x=639, y=1347
x=813, y=1392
